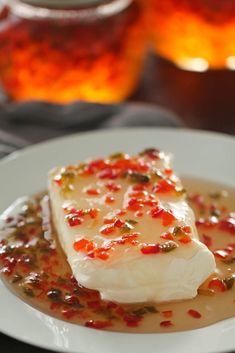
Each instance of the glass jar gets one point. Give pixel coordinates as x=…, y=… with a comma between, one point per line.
x=195, y=34
x=65, y=50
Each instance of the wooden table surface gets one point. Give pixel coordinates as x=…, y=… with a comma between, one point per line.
x=204, y=100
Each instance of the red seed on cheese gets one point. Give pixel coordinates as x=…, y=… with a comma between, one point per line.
x=113, y=187
x=108, y=229
x=150, y=249
x=80, y=245
x=73, y=220
x=109, y=199
x=185, y=239
x=93, y=192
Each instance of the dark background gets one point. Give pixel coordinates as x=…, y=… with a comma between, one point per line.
x=204, y=100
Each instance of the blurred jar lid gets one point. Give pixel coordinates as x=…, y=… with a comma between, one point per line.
x=64, y=3
x=89, y=10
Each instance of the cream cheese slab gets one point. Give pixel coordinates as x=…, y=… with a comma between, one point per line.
x=127, y=229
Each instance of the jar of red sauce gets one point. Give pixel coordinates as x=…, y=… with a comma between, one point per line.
x=196, y=35
x=66, y=50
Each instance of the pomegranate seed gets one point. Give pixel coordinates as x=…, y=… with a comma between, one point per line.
x=93, y=212
x=167, y=313
x=156, y=212
x=221, y=254
x=167, y=323
x=109, y=220
x=167, y=236
x=200, y=222
x=168, y=171
x=98, y=324
x=167, y=218
x=138, y=194
x=91, y=254
x=70, y=209
x=151, y=203
x=139, y=187
x=80, y=244
x=134, y=205
x=73, y=220
x=107, y=229
x=79, y=213
x=217, y=284
x=108, y=174
x=187, y=229
x=132, y=321
x=185, y=239
x=96, y=165
x=109, y=199
x=113, y=187
x=93, y=192
x=102, y=254
x=119, y=223
x=142, y=167
x=90, y=246
x=228, y=225
x=129, y=238
x=120, y=242
x=152, y=153
x=195, y=314
x=151, y=249
x=163, y=187
x=229, y=249
x=124, y=163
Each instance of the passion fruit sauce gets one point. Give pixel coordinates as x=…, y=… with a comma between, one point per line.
x=34, y=267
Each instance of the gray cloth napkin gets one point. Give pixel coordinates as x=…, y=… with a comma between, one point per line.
x=27, y=123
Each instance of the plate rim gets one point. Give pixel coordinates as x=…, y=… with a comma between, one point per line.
x=48, y=142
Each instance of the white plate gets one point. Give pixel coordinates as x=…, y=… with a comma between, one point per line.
x=199, y=154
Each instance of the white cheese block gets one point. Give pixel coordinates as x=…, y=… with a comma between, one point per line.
x=129, y=274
